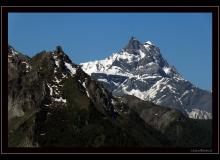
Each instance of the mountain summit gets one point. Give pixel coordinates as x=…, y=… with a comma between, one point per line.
x=140, y=70
x=133, y=45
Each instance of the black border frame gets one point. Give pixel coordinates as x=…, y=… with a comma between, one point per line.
x=215, y=68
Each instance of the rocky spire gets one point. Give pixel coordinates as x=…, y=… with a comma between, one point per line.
x=133, y=45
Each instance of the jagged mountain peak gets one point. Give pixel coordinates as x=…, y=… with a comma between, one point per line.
x=134, y=60
x=60, y=55
x=140, y=70
x=133, y=40
x=59, y=49
x=133, y=45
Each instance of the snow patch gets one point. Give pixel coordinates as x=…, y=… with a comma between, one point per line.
x=105, y=66
x=159, y=100
x=179, y=99
x=59, y=100
x=27, y=66
x=56, y=60
x=56, y=80
x=113, y=101
x=103, y=80
x=57, y=63
x=84, y=84
x=151, y=64
x=199, y=114
x=150, y=77
x=142, y=54
x=149, y=42
x=14, y=52
x=124, y=56
x=167, y=70
x=64, y=76
x=152, y=92
x=51, y=89
x=87, y=93
x=57, y=92
x=136, y=93
x=116, y=84
x=186, y=92
x=172, y=89
x=43, y=134
x=72, y=70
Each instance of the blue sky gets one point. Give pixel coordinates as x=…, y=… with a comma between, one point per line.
x=185, y=39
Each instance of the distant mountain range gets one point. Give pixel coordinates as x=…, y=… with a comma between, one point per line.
x=140, y=70
x=52, y=102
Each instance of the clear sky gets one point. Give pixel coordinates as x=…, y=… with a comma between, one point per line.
x=185, y=39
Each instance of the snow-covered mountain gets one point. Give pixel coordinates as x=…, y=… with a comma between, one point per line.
x=140, y=70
